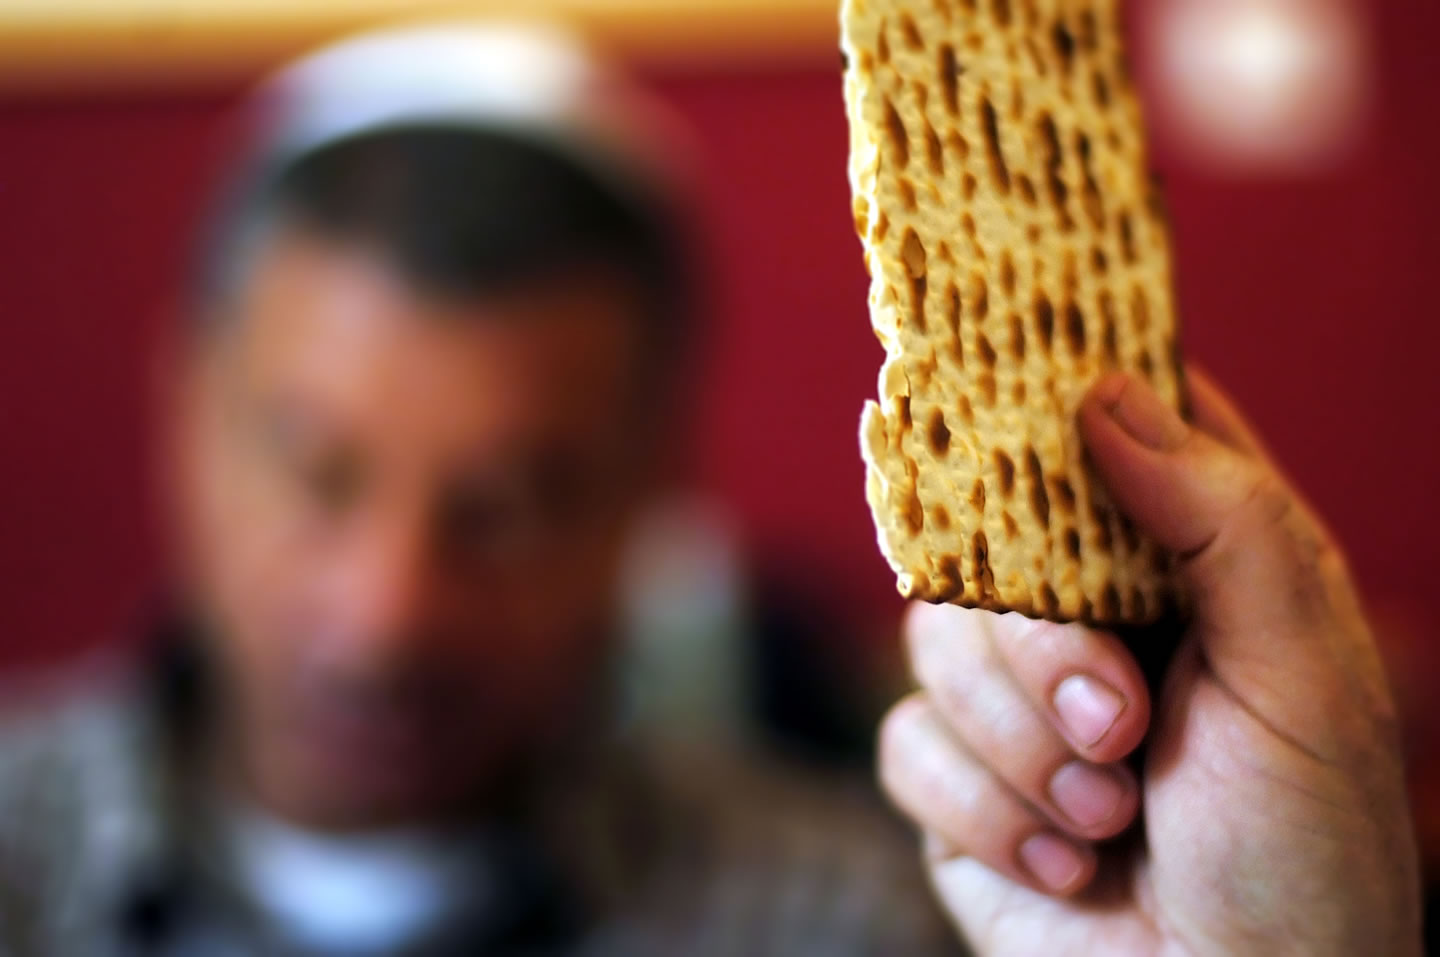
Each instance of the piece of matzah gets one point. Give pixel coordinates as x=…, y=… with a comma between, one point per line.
x=1017, y=249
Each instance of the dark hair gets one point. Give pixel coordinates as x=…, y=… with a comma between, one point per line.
x=468, y=212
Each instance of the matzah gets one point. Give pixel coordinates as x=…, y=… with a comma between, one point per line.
x=1017, y=249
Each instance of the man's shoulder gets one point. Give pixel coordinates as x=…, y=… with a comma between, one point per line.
x=60, y=720
x=67, y=737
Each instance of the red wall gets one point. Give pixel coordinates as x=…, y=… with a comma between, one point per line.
x=1312, y=300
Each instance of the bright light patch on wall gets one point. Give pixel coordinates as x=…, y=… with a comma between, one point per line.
x=1262, y=85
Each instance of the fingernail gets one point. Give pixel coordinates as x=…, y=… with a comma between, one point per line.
x=1053, y=861
x=1087, y=795
x=1148, y=420
x=1089, y=707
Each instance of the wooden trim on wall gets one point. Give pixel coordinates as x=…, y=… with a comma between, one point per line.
x=101, y=45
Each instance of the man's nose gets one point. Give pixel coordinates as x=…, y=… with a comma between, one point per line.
x=382, y=593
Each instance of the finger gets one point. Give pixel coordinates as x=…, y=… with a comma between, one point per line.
x=1086, y=683
x=956, y=659
x=1257, y=564
x=1213, y=411
x=943, y=788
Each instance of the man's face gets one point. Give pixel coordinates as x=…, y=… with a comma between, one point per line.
x=402, y=516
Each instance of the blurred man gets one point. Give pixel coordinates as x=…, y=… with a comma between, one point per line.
x=431, y=366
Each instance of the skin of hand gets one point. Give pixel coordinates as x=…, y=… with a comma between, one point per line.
x=1269, y=814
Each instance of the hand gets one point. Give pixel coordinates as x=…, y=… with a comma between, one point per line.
x=1271, y=796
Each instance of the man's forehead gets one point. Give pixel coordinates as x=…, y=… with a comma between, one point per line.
x=304, y=288
x=332, y=333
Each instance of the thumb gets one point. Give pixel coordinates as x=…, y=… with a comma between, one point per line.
x=1255, y=561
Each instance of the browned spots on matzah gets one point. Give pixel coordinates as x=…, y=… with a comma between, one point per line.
x=1044, y=321
x=980, y=563
x=915, y=512
x=1139, y=311
x=1012, y=528
x=1005, y=467
x=1007, y=273
x=911, y=33
x=902, y=411
x=882, y=44
x=1064, y=44
x=1109, y=329
x=952, y=320
x=1099, y=261
x=1054, y=163
x=882, y=228
x=979, y=294
x=1094, y=203
x=1075, y=328
x=921, y=93
x=1145, y=364
x=940, y=515
x=999, y=169
x=968, y=186
x=939, y=435
x=977, y=497
x=1002, y=12
x=907, y=194
x=1109, y=602
x=1018, y=391
x=1039, y=498
x=1017, y=338
x=987, y=383
x=1089, y=32
x=958, y=145
x=951, y=581
x=950, y=79
x=899, y=138
x=934, y=152
x=1100, y=517
x=1101, y=89
x=1072, y=544
x=985, y=350
x=1127, y=237
x=1049, y=601
x=925, y=371
x=966, y=411
x=1036, y=60
x=1064, y=495
x=1027, y=189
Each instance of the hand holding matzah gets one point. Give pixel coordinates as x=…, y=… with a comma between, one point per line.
x=1273, y=803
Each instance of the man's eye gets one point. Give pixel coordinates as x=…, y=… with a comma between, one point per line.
x=332, y=485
